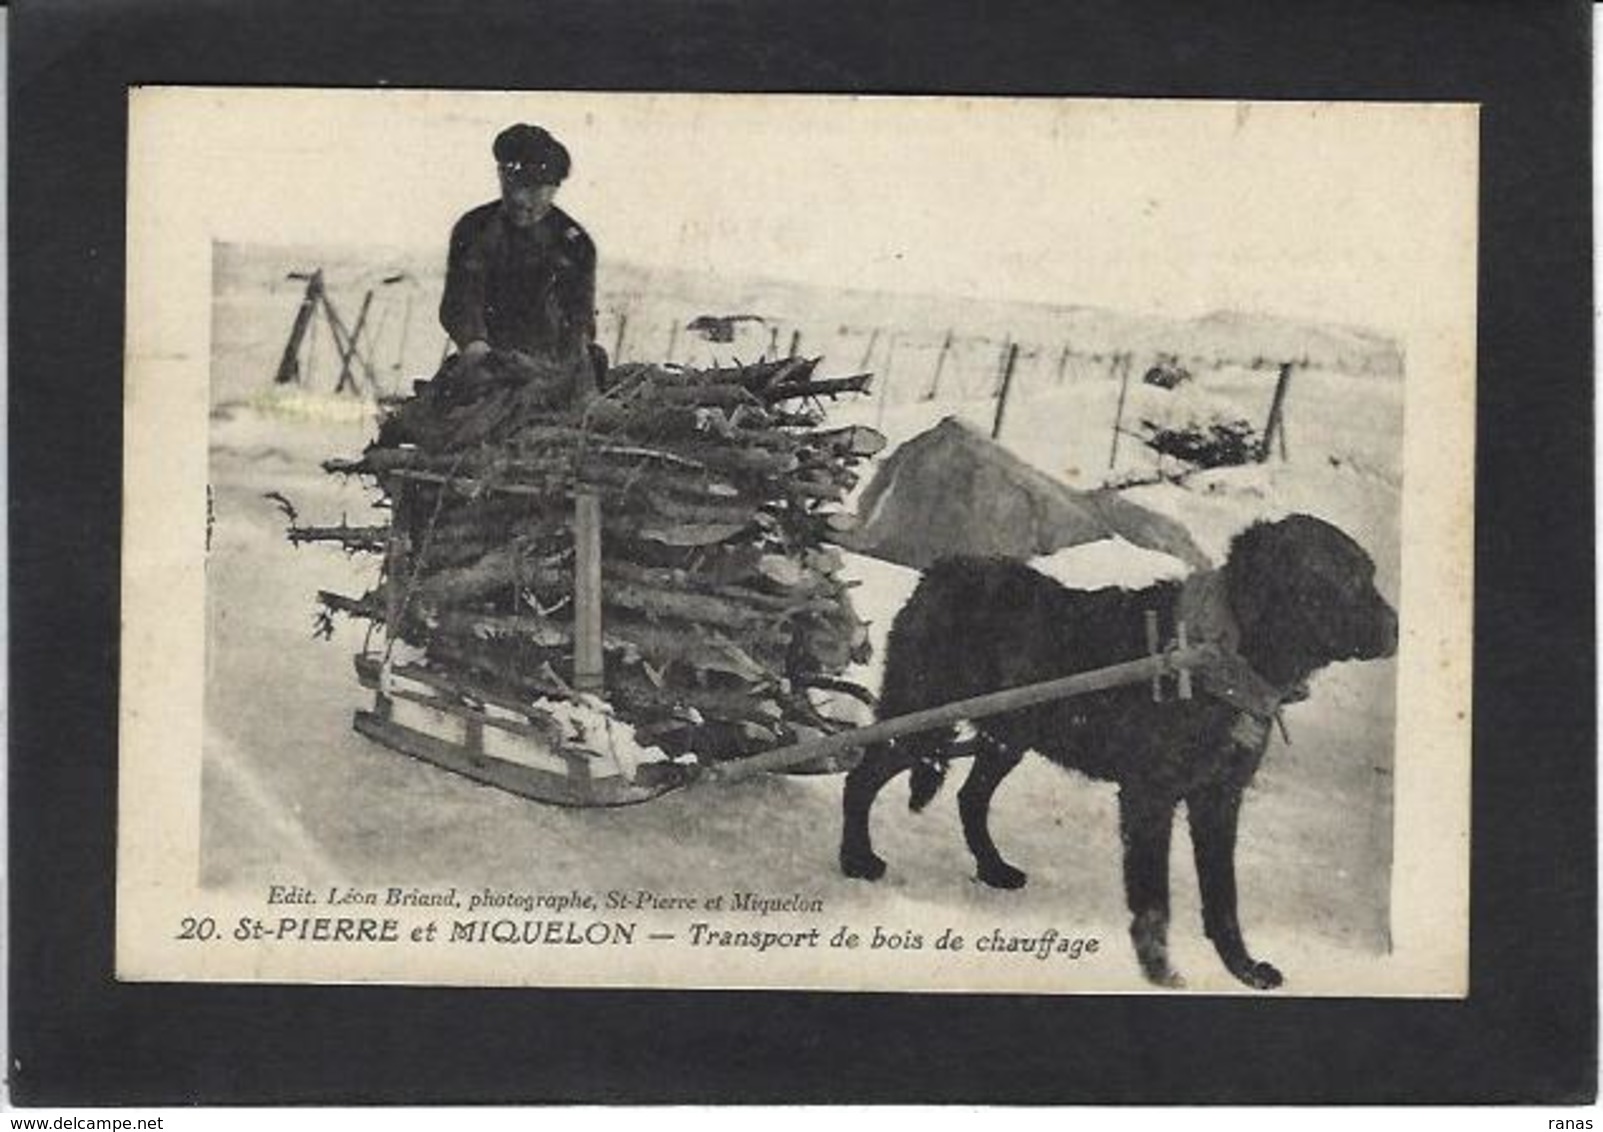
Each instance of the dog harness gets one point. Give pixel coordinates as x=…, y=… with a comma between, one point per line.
x=1205, y=609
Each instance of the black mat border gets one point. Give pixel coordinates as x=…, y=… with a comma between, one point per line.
x=1528, y=1031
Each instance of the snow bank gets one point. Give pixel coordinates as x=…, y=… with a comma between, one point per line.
x=1109, y=562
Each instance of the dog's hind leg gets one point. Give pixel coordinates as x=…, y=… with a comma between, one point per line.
x=992, y=762
x=881, y=763
x=1146, y=822
x=1213, y=813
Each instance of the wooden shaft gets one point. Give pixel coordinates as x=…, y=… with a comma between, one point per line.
x=588, y=665
x=1097, y=680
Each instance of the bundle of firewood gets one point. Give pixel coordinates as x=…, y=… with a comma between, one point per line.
x=720, y=497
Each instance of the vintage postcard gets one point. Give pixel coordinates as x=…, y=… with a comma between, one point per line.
x=818, y=542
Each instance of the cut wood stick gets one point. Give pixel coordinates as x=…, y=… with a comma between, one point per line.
x=834, y=684
x=672, y=534
x=367, y=606
x=827, y=387
x=659, y=591
x=659, y=644
x=675, y=580
x=370, y=539
x=498, y=569
x=706, y=609
x=632, y=688
x=854, y=440
x=713, y=396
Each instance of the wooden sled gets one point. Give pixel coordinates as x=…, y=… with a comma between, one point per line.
x=533, y=762
x=424, y=716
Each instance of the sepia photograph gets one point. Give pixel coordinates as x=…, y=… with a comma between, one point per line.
x=943, y=544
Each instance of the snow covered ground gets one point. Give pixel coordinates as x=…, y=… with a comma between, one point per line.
x=290, y=790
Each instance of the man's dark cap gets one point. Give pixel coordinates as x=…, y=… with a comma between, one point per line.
x=530, y=155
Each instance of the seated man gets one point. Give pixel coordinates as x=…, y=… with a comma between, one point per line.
x=521, y=273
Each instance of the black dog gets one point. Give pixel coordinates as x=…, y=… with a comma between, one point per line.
x=1293, y=596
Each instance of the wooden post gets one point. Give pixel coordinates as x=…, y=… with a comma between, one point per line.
x=873, y=340
x=1275, y=426
x=311, y=352
x=617, y=346
x=884, y=386
x=1063, y=363
x=1007, y=386
x=940, y=362
x=1118, y=414
x=289, y=366
x=795, y=343
x=589, y=672
x=1151, y=622
x=673, y=339
x=773, y=343
x=350, y=348
x=1182, y=643
x=397, y=569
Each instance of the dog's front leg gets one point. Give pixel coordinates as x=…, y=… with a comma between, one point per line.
x=1213, y=813
x=1146, y=821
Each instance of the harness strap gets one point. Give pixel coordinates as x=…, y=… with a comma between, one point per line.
x=1202, y=605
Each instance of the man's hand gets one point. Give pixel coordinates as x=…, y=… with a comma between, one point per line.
x=475, y=350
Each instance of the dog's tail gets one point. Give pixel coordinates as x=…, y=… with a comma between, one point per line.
x=925, y=779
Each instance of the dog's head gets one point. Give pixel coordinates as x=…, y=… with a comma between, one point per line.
x=1303, y=594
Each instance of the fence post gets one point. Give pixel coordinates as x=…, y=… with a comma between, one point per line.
x=617, y=346
x=1063, y=363
x=1007, y=385
x=884, y=379
x=1276, y=425
x=351, y=348
x=873, y=340
x=589, y=672
x=1122, y=361
x=673, y=339
x=289, y=366
x=795, y=343
x=940, y=362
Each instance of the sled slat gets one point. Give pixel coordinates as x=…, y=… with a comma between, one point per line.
x=652, y=779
